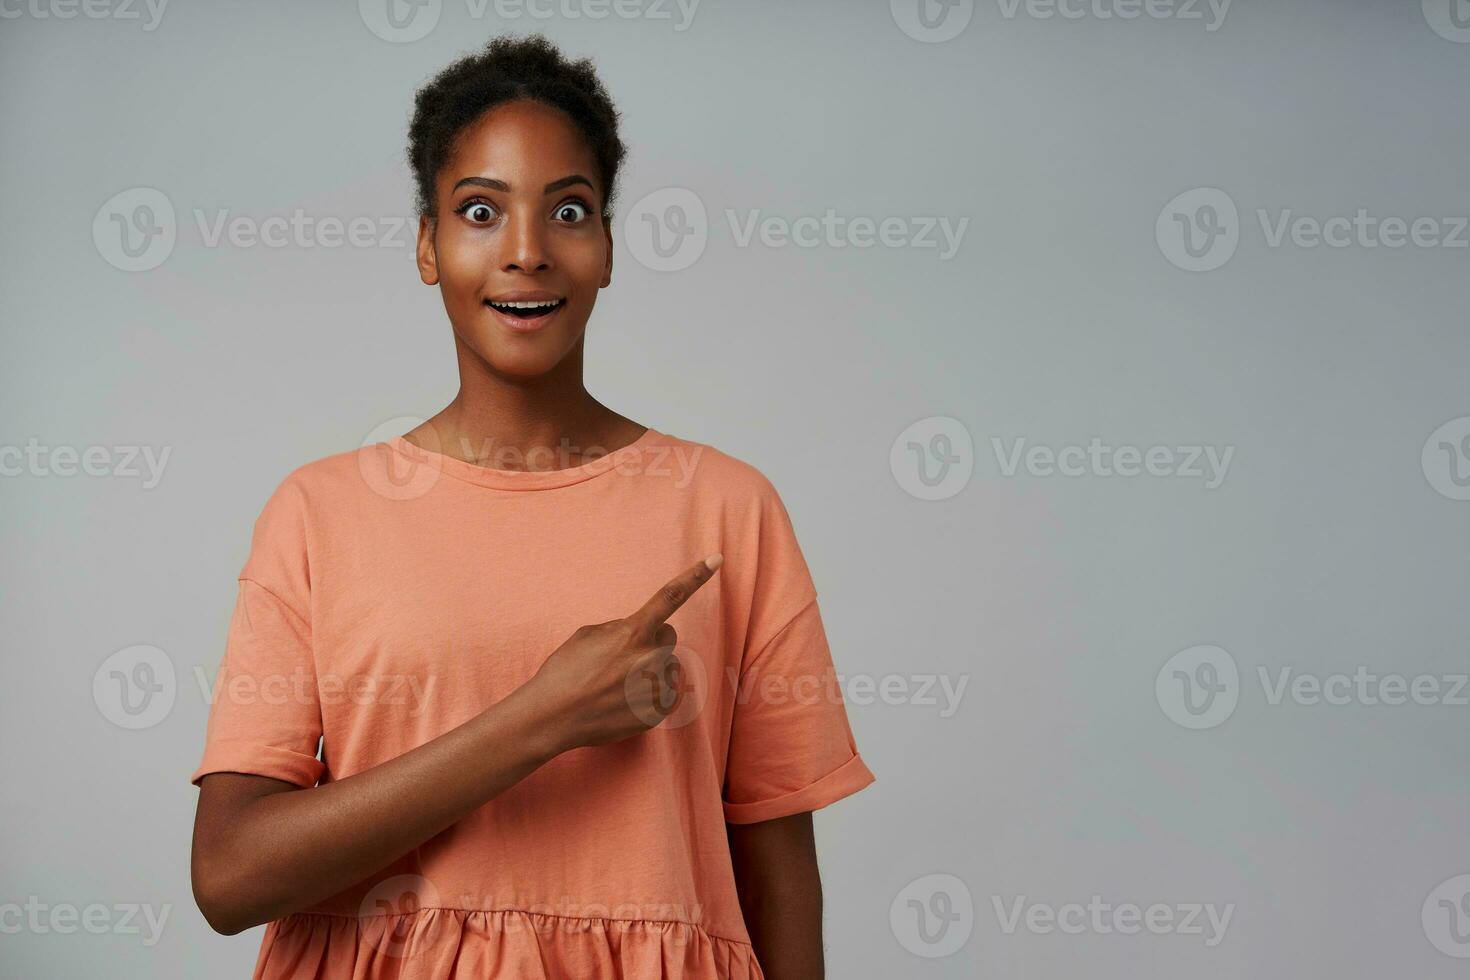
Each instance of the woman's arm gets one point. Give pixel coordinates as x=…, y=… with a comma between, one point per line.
x=264, y=848
x=780, y=894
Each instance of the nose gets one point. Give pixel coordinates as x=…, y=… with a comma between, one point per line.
x=525, y=244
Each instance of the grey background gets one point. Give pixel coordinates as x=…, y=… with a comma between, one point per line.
x=1060, y=318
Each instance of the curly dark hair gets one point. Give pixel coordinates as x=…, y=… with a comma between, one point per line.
x=507, y=69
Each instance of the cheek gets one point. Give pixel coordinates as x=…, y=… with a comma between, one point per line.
x=462, y=262
x=585, y=262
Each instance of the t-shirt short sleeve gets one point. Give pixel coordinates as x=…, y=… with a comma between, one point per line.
x=265, y=715
x=791, y=746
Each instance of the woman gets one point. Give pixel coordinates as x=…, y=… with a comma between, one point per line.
x=554, y=742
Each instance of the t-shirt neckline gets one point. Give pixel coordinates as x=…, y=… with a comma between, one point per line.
x=488, y=476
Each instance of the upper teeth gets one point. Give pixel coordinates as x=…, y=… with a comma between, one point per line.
x=530, y=305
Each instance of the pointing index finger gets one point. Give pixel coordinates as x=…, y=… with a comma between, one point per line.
x=675, y=593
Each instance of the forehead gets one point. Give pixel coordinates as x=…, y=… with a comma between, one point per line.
x=536, y=142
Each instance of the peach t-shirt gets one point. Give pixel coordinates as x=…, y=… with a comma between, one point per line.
x=392, y=593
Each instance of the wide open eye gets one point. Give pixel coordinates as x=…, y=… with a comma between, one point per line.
x=478, y=212
x=572, y=211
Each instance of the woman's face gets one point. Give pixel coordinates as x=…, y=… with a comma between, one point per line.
x=519, y=220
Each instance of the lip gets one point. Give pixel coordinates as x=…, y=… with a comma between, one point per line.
x=531, y=324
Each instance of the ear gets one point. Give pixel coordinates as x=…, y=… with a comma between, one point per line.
x=428, y=261
x=607, y=266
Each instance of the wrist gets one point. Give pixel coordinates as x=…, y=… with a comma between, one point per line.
x=545, y=726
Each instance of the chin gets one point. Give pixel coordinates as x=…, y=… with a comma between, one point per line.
x=528, y=358
x=521, y=365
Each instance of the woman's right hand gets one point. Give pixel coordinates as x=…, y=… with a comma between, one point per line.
x=613, y=680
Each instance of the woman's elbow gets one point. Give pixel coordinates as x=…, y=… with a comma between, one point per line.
x=219, y=900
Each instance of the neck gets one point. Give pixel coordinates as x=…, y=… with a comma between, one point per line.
x=549, y=421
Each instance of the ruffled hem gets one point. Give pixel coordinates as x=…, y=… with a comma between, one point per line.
x=499, y=944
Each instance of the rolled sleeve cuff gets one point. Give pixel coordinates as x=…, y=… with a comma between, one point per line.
x=260, y=760
x=847, y=779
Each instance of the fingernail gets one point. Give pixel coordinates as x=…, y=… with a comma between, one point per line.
x=714, y=561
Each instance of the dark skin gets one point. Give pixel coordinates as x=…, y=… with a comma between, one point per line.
x=519, y=208
x=523, y=392
x=780, y=894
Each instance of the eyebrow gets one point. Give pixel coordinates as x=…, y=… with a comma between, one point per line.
x=500, y=185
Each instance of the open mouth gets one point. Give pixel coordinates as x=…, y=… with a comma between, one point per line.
x=526, y=310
